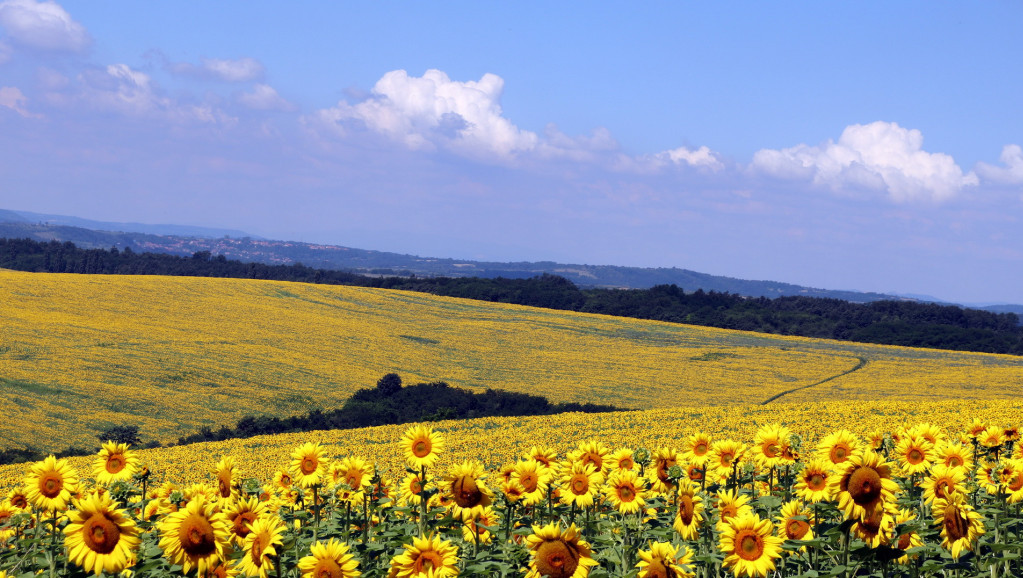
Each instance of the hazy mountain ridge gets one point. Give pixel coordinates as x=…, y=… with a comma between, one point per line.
x=238, y=245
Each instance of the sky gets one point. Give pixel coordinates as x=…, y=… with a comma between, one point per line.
x=872, y=146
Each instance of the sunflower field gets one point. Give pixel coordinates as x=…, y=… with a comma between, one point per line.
x=914, y=500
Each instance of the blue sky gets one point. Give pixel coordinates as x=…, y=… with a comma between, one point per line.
x=871, y=146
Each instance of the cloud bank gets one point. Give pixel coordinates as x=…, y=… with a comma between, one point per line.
x=42, y=25
x=880, y=156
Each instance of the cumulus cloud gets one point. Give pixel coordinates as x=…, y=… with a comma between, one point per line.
x=11, y=97
x=1011, y=173
x=223, y=69
x=701, y=157
x=264, y=97
x=878, y=156
x=42, y=25
x=433, y=111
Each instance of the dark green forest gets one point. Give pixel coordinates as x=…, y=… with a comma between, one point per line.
x=908, y=323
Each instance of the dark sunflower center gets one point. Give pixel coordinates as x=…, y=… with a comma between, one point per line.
x=626, y=493
x=258, y=545
x=100, y=534
x=839, y=454
x=662, y=470
x=528, y=482
x=309, y=465
x=686, y=509
x=354, y=480
x=915, y=456
x=241, y=524
x=772, y=450
x=19, y=501
x=594, y=459
x=817, y=481
x=51, y=485
x=657, y=569
x=428, y=561
x=580, y=484
x=286, y=480
x=626, y=464
x=1016, y=482
x=953, y=462
x=700, y=449
x=751, y=545
x=224, y=487
x=796, y=529
x=728, y=511
x=327, y=568
x=556, y=559
x=421, y=448
x=115, y=464
x=466, y=492
x=196, y=536
x=865, y=485
x=416, y=486
x=904, y=541
x=941, y=489
x=956, y=525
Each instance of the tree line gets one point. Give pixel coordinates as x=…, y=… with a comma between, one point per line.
x=908, y=323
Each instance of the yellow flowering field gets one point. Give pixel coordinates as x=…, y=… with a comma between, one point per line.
x=497, y=441
x=79, y=353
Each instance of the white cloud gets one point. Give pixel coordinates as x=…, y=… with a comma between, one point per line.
x=43, y=25
x=264, y=97
x=1011, y=173
x=11, y=97
x=240, y=70
x=701, y=157
x=433, y=111
x=878, y=156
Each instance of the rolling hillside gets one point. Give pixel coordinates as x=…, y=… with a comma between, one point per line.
x=80, y=353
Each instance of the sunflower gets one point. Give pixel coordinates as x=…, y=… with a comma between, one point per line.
x=308, y=464
x=427, y=557
x=411, y=489
x=6, y=511
x=329, y=560
x=914, y=454
x=355, y=472
x=812, y=481
x=469, y=493
x=534, y=478
x=749, y=545
x=421, y=446
x=662, y=561
x=1013, y=481
x=512, y=491
x=724, y=456
x=731, y=504
x=591, y=452
x=960, y=525
x=942, y=482
x=988, y=477
x=875, y=440
x=226, y=473
x=659, y=473
x=622, y=459
x=769, y=445
x=473, y=529
x=283, y=480
x=260, y=546
x=697, y=449
x=976, y=428
x=50, y=483
x=906, y=540
x=795, y=522
x=558, y=554
x=838, y=447
x=689, y=517
x=195, y=536
x=579, y=484
x=545, y=455
x=877, y=527
x=954, y=455
x=626, y=490
x=100, y=537
x=863, y=484
x=241, y=513
x=114, y=463
x=992, y=437
x=18, y=498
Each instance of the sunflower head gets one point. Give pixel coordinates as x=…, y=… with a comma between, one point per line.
x=579, y=484
x=557, y=553
x=50, y=484
x=195, y=536
x=427, y=556
x=839, y=447
x=308, y=464
x=227, y=474
x=795, y=521
x=960, y=524
x=812, y=481
x=421, y=446
x=468, y=492
x=115, y=463
x=662, y=561
x=100, y=537
x=261, y=543
x=863, y=484
x=329, y=559
x=749, y=545
x=626, y=491
x=690, y=511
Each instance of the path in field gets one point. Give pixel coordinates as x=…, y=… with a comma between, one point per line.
x=859, y=365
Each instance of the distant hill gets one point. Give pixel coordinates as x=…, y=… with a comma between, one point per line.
x=368, y=262
x=184, y=230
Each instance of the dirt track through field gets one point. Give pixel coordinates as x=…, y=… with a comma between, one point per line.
x=859, y=365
